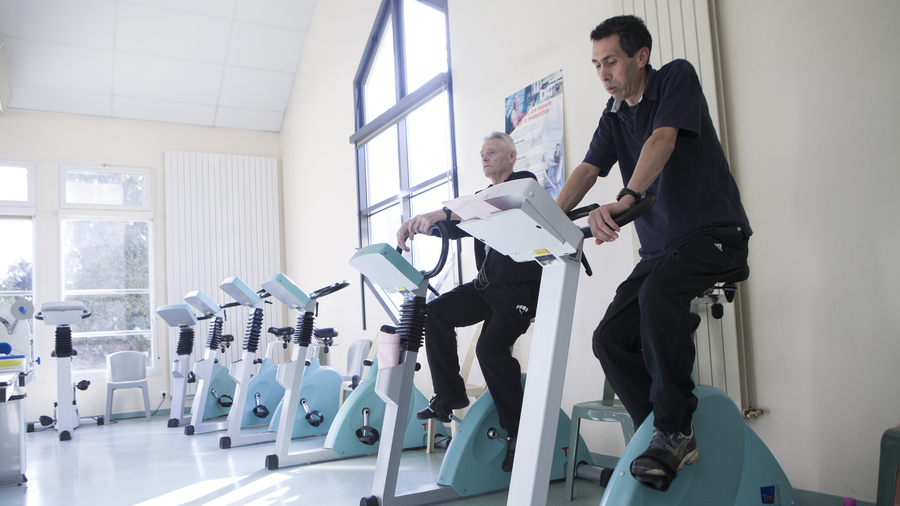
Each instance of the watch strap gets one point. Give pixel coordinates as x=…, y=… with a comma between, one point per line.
x=628, y=191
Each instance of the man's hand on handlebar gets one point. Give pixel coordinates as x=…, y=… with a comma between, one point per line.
x=603, y=227
x=417, y=225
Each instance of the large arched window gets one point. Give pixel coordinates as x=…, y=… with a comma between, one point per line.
x=406, y=161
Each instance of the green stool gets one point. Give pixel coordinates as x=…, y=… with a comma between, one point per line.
x=889, y=469
x=608, y=409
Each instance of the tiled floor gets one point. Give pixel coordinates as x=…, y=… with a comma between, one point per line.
x=139, y=462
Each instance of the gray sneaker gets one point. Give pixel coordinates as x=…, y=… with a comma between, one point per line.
x=665, y=456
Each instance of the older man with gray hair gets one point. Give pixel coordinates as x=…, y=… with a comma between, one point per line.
x=503, y=295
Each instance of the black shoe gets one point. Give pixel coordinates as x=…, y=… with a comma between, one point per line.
x=441, y=406
x=507, y=464
x=666, y=455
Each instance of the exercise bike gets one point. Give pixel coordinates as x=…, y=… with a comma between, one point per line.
x=65, y=410
x=472, y=461
x=307, y=384
x=735, y=468
x=242, y=372
x=181, y=317
x=215, y=388
x=356, y=430
x=264, y=390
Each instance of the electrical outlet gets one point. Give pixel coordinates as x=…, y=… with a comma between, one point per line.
x=163, y=395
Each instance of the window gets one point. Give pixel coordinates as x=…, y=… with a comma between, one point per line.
x=17, y=231
x=16, y=259
x=104, y=187
x=18, y=188
x=17, y=210
x=106, y=225
x=406, y=161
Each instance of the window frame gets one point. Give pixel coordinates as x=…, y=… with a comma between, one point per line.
x=63, y=167
x=406, y=103
x=111, y=212
x=25, y=210
x=18, y=207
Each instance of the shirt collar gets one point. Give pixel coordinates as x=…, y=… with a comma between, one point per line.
x=651, y=91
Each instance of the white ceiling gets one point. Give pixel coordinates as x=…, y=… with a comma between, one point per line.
x=223, y=63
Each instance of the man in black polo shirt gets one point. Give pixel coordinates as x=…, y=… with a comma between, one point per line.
x=657, y=127
x=504, y=295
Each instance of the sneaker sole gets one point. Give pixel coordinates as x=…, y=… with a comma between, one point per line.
x=689, y=459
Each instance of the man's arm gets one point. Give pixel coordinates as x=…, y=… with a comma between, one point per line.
x=420, y=224
x=577, y=186
x=654, y=155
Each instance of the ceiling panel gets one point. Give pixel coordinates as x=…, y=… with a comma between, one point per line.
x=80, y=22
x=255, y=89
x=157, y=110
x=245, y=118
x=163, y=32
x=70, y=102
x=217, y=8
x=64, y=67
x=293, y=14
x=228, y=63
x=139, y=76
x=265, y=48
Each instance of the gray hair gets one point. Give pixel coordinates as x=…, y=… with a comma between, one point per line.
x=509, y=145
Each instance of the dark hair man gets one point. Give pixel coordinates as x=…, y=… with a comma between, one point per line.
x=503, y=295
x=657, y=127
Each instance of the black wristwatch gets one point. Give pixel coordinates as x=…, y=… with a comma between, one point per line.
x=449, y=213
x=628, y=191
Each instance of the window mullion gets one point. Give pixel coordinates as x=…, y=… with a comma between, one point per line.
x=399, y=49
x=403, y=146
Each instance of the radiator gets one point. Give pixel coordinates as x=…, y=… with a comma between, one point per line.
x=222, y=220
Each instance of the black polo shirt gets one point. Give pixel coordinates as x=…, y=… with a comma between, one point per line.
x=497, y=267
x=695, y=192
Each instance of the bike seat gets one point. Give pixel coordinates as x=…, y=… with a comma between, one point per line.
x=325, y=333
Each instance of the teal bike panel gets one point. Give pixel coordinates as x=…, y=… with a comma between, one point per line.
x=321, y=387
x=472, y=462
x=342, y=437
x=735, y=466
x=270, y=394
x=223, y=384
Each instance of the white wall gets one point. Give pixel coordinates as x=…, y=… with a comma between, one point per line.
x=812, y=113
x=52, y=137
x=319, y=168
x=812, y=109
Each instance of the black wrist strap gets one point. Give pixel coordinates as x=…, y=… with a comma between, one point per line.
x=628, y=191
x=448, y=212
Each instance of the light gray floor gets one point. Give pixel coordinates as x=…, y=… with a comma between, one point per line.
x=140, y=462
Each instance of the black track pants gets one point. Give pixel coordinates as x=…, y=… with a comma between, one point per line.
x=506, y=311
x=644, y=341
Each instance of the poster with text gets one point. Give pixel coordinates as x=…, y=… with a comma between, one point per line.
x=534, y=119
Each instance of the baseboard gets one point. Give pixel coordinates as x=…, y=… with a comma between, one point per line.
x=810, y=498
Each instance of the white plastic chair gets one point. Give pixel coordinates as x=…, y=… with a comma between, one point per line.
x=355, y=356
x=126, y=369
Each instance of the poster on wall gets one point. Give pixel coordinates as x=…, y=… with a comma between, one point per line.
x=534, y=119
